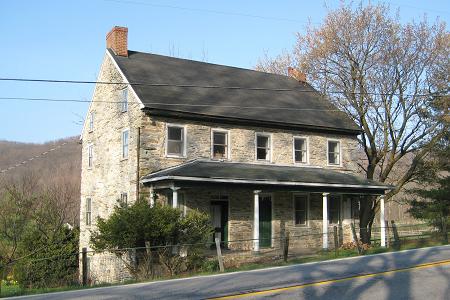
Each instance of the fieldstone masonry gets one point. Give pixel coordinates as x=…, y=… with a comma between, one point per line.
x=112, y=175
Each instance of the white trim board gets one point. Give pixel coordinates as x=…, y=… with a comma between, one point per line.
x=262, y=182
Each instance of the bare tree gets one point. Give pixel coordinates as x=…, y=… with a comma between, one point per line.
x=391, y=79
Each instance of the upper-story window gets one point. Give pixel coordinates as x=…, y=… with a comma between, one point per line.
x=124, y=100
x=91, y=121
x=88, y=211
x=125, y=142
x=90, y=155
x=300, y=150
x=220, y=144
x=263, y=147
x=176, y=140
x=334, y=153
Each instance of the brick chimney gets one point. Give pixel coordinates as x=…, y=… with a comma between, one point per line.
x=296, y=74
x=117, y=40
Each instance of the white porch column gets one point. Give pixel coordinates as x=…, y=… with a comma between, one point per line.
x=325, y=221
x=256, y=221
x=175, y=196
x=382, y=222
x=152, y=197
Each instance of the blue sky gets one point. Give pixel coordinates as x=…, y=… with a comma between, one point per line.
x=66, y=40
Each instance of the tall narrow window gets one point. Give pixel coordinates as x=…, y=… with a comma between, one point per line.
x=175, y=140
x=334, y=152
x=263, y=147
x=88, y=211
x=91, y=121
x=124, y=198
x=220, y=144
x=301, y=209
x=124, y=100
x=125, y=140
x=334, y=209
x=90, y=155
x=300, y=150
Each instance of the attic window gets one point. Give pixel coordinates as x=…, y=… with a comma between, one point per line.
x=124, y=100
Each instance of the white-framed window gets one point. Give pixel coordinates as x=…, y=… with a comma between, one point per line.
x=176, y=141
x=220, y=144
x=91, y=122
x=334, y=209
x=90, y=155
x=334, y=152
x=88, y=211
x=263, y=147
x=125, y=143
x=124, y=198
x=300, y=145
x=301, y=209
x=124, y=100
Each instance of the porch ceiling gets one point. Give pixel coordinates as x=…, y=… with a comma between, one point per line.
x=216, y=172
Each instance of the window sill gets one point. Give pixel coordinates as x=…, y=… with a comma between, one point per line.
x=176, y=156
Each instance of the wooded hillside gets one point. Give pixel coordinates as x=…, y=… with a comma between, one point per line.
x=59, y=168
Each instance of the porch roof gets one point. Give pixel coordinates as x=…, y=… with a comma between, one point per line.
x=207, y=171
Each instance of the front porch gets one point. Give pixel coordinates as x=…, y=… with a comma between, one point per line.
x=252, y=207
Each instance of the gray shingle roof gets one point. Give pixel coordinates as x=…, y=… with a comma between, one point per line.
x=230, y=172
x=302, y=107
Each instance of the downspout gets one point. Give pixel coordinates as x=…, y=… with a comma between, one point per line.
x=138, y=154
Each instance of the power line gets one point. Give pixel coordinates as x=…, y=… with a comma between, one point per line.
x=211, y=11
x=166, y=104
x=210, y=87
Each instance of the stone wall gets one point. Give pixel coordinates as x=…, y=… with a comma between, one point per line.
x=110, y=174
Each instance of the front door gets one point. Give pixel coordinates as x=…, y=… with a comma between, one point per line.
x=219, y=216
x=265, y=221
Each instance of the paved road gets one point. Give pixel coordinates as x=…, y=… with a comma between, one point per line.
x=428, y=282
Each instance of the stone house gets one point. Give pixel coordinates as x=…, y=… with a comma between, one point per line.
x=263, y=154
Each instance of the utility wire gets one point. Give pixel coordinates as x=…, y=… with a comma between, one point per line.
x=210, y=11
x=167, y=104
x=210, y=87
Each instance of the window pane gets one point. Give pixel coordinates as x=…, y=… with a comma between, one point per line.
x=300, y=156
x=174, y=147
x=300, y=144
x=125, y=144
x=261, y=153
x=219, y=151
x=220, y=138
x=175, y=133
x=262, y=141
x=125, y=99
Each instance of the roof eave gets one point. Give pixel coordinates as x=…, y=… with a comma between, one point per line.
x=251, y=122
x=265, y=182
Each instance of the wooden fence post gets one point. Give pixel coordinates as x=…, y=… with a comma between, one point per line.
x=219, y=255
x=286, y=247
x=336, y=242
x=355, y=238
x=388, y=238
x=84, y=266
x=396, y=243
